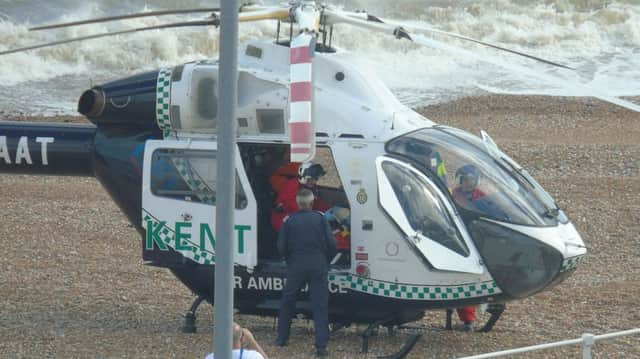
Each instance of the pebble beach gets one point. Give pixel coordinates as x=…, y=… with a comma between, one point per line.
x=73, y=284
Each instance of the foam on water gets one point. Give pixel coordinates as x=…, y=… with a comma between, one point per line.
x=601, y=39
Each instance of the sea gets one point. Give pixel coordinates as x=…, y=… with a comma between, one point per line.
x=598, y=39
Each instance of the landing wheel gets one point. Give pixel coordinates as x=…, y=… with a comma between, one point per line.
x=190, y=317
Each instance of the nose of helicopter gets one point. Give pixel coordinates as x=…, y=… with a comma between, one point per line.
x=574, y=252
x=524, y=260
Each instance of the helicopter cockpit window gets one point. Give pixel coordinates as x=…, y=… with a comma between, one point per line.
x=189, y=175
x=541, y=199
x=423, y=208
x=476, y=181
x=207, y=104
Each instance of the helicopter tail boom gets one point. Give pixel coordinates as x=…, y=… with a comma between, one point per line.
x=131, y=101
x=46, y=149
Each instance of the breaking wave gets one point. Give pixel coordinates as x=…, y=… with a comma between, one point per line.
x=601, y=39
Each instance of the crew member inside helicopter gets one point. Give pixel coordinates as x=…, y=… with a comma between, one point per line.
x=308, y=175
x=283, y=174
x=430, y=158
x=284, y=181
x=466, y=195
x=339, y=219
x=466, y=188
x=466, y=181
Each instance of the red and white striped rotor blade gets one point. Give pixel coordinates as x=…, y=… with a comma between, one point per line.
x=301, y=130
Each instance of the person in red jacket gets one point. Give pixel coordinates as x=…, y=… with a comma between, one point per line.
x=465, y=194
x=285, y=204
x=283, y=174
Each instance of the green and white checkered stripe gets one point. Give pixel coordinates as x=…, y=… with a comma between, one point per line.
x=428, y=292
x=194, y=181
x=163, y=101
x=570, y=263
x=167, y=236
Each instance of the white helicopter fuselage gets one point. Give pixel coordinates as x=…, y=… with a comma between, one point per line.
x=355, y=116
x=436, y=217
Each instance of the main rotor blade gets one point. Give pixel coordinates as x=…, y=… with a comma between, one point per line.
x=574, y=85
x=121, y=17
x=262, y=14
x=375, y=19
x=214, y=22
x=265, y=14
x=399, y=32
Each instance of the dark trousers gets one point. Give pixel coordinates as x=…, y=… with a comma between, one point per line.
x=318, y=296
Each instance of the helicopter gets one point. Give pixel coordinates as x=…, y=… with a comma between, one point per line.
x=413, y=245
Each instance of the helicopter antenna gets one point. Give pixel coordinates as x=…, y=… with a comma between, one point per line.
x=330, y=35
x=324, y=29
x=290, y=32
x=122, y=17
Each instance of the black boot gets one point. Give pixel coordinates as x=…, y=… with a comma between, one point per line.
x=321, y=353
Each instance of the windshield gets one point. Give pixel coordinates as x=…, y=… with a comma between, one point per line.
x=477, y=181
x=519, y=173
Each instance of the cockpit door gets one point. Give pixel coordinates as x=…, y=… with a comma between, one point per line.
x=179, y=202
x=426, y=217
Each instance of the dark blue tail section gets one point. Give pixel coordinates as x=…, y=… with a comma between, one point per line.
x=47, y=149
x=130, y=101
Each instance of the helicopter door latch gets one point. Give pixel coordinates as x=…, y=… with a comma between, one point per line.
x=417, y=237
x=186, y=217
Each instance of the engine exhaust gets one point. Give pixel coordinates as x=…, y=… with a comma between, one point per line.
x=128, y=101
x=91, y=103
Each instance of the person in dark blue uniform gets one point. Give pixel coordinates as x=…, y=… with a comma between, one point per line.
x=306, y=242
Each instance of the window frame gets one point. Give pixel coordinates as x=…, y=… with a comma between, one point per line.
x=438, y=255
x=188, y=153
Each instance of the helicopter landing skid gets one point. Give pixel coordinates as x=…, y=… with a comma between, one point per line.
x=190, y=318
x=371, y=330
x=495, y=310
x=339, y=326
x=406, y=348
x=448, y=325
